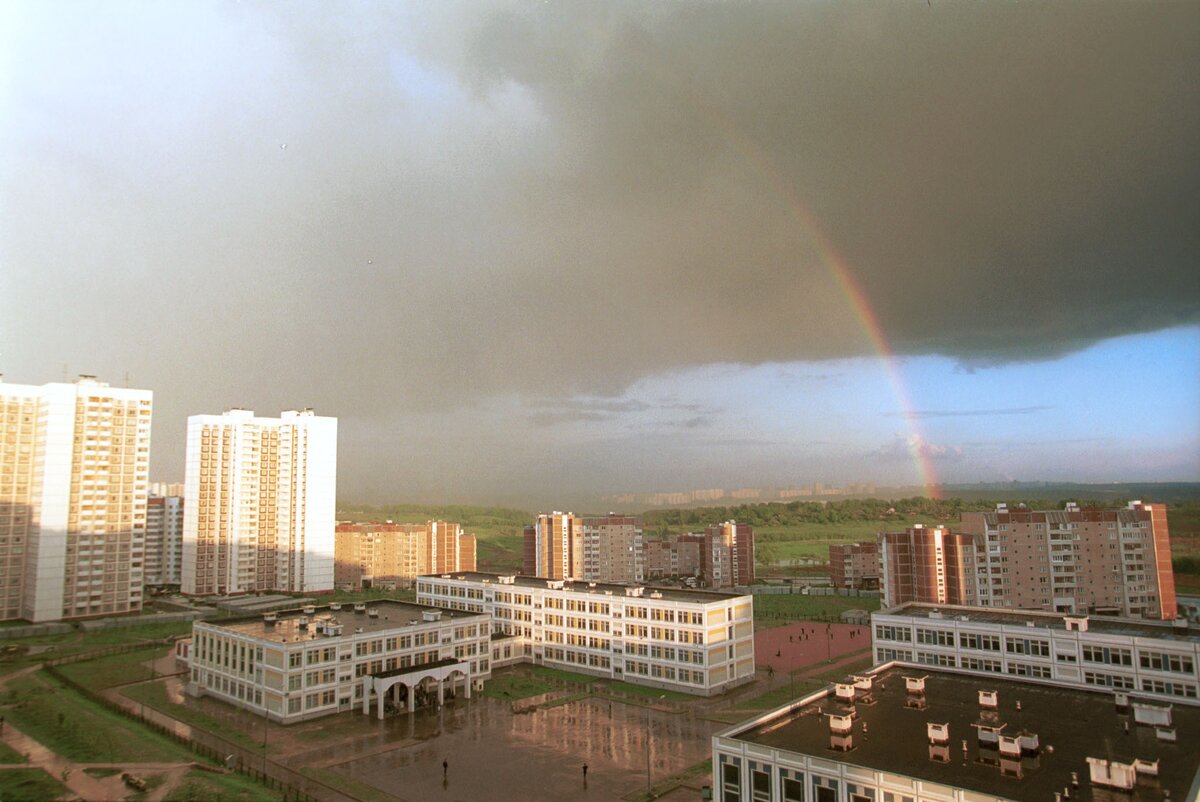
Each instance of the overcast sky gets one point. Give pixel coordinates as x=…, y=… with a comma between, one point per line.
x=538, y=252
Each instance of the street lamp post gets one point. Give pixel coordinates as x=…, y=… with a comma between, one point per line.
x=648, y=741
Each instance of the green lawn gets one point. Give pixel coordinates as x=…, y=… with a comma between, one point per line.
x=203, y=786
x=772, y=610
x=116, y=669
x=30, y=785
x=352, y=787
x=78, y=728
x=812, y=540
x=72, y=643
x=514, y=685
x=500, y=552
x=10, y=755
x=373, y=594
x=153, y=694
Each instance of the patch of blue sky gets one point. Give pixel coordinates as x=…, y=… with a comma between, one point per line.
x=420, y=82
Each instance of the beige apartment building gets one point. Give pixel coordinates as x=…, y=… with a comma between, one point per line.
x=74, y=476
x=554, y=546
x=391, y=554
x=260, y=503
x=671, y=558
x=612, y=549
x=1103, y=561
x=854, y=565
x=1114, y=561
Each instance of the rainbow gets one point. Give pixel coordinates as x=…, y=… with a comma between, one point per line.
x=828, y=254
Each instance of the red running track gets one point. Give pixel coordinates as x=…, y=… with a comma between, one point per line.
x=807, y=643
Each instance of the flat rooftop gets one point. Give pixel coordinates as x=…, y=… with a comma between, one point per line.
x=600, y=588
x=1109, y=625
x=392, y=615
x=1071, y=726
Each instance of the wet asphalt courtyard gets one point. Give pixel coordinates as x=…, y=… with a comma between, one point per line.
x=495, y=754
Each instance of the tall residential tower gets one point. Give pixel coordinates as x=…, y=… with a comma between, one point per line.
x=260, y=496
x=74, y=476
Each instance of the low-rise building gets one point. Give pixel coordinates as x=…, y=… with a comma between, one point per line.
x=899, y=734
x=1155, y=659
x=693, y=641
x=304, y=663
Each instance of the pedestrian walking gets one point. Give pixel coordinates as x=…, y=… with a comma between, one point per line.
x=585, y=772
x=445, y=768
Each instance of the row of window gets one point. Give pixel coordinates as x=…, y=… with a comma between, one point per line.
x=1036, y=647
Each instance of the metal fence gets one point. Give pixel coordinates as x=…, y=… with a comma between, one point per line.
x=296, y=787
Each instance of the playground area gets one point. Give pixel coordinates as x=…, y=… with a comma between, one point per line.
x=806, y=643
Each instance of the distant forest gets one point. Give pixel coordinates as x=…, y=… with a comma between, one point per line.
x=867, y=509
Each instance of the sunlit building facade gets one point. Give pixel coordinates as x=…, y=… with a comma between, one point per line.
x=305, y=663
x=698, y=642
x=260, y=495
x=1104, y=561
x=1151, y=658
x=390, y=554
x=74, y=480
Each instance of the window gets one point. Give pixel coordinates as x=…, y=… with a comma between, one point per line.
x=893, y=633
x=793, y=786
x=1161, y=661
x=935, y=637
x=731, y=781
x=760, y=783
x=1036, y=648
x=1108, y=655
x=971, y=640
x=1169, y=688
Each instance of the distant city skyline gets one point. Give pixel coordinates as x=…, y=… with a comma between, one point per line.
x=532, y=254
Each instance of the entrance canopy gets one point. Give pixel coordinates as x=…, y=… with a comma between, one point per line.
x=410, y=677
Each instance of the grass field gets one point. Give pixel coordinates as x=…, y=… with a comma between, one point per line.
x=10, y=755
x=32, y=650
x=514, y=685
x=203, y=786
x=153, y=694
x=80, y=729
x=30, y=785
x=117, y=669
x=772, y=610
x=373, y=594
x=812, y=540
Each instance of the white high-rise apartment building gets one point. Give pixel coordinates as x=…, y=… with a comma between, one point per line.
x=74, y=475
x=259, y=503
x=164, y=540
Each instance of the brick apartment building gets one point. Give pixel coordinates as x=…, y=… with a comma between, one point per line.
x=1104, y=561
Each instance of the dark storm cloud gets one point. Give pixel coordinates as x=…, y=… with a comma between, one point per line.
x=375, y=211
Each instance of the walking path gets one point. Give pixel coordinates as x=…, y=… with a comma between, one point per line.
x=72, y=774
